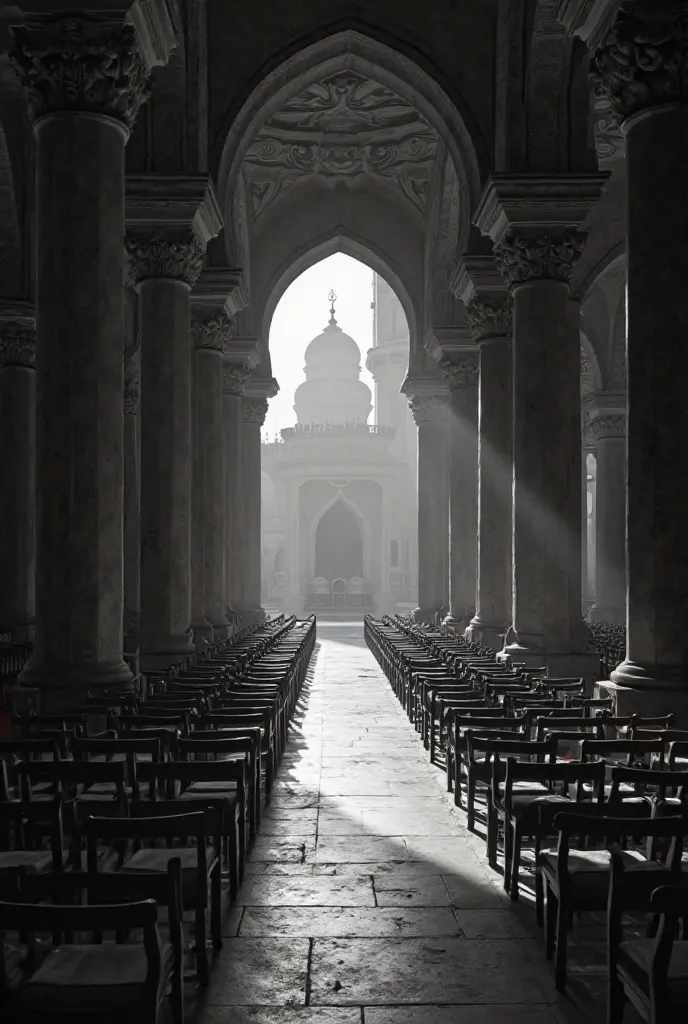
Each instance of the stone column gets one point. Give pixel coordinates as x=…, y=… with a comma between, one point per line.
x=588, y=448
x=533, y=223
x=608, y=426
x=431, y=412
x=460, y=373
x=490, y=318
x=85, y=80
x=641, y=68
x=18, y=462
x=132, y=547
x=254, y=410
x=240, y=357
x=210, y=330
x=169, y=223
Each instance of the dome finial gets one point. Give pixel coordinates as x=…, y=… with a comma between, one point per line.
x=333, y=298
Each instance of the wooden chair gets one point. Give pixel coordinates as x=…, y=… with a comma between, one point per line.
x=167, y=821
x=89, y=983
x=520, y=810
x=650, y=973
x=577, y=879
x=25, y=827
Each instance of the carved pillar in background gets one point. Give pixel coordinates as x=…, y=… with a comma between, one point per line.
x=534, y=227
x=587, y=565
x=85, y=81
x=460, y=373
x=641, y=68
x=132, y=547
x=254, y=411
x=166, y=258
x=240, y=357
x=431, y=414
x=210, y=331
x=490, y=318
x=18, y=462
x=608, y=427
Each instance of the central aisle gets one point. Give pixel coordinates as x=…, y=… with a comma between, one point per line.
x=365, y=899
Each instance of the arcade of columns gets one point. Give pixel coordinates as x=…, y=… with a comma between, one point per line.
x=499, y=445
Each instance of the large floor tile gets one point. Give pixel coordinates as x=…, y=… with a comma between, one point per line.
x=509, y=1014
x=252, y=972
x=290, y=891
x=399, y=971
x=342, y=922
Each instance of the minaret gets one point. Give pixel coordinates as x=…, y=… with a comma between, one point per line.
x=387, y=360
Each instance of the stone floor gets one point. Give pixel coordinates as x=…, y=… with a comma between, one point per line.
x=366, y=901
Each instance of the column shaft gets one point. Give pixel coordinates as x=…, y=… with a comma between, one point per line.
x=79, y=370
x=165, y=469
x=254, y=412
x=18, y=491
x=433, y=506
x=463, y=489
x=610, y=534
x=493, y=602
x=132, y=547
x=234, y=516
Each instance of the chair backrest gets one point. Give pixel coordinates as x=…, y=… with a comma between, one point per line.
x=68, y=775
x=677, y=749
x=490, y=746
x=26, y=824
x=618, y=830
x=617, y=750
x=657, y=781
x=566, y=773
x=544, y=724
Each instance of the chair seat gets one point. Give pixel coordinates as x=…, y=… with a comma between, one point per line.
x=634, y=961
x=103, y=978
x=589, y=869
x=524, y=804
x=153, y=860
x=34, y=862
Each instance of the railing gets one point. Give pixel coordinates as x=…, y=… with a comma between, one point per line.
x=306, y=431
x=358, y=602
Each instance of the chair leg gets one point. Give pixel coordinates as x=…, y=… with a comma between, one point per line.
x=177, y=995
x=616, y=1000
x=216, y=907
x=450, y=770
x=515, y=860
x=201, y=951
x=470, y=802
x=491, y=837
x=560, y=951
x=551, y=910
x=457, y=778
x=539, y=897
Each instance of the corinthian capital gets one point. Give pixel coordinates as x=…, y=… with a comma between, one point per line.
x=254, y=410
x=643, y=59
x=490, y=316
x=234, y=377
x=175, y=254
x=429, y=408
x=17, y=343
x=80, y=63
x=521, y=258
x=460, y=371
x=211, y=329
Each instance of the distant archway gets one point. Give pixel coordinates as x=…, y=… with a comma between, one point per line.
x=338, y=544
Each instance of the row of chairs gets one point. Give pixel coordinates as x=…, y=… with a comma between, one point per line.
x=552, y=763
x=128, y=812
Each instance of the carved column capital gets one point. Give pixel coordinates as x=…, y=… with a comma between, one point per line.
x=642, y=61
x=522, y=258
x=460, y=371
x=234, y=377
x=176, y=254
x=429, y=408
x=211, y=329
x=131, y=387
x=254, y=410
x=607, y=425
x=17, y=343
x=80, y=63
x=490, y=316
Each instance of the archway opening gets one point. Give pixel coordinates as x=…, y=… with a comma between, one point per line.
x=338, y=544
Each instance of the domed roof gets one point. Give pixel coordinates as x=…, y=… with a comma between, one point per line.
x=332, y=391
x=332, y=353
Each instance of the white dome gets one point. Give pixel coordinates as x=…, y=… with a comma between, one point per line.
x=332, y=393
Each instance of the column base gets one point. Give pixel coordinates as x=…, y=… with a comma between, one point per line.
x=425, y=616
x=559, y=664
x=220, y=632
x=486, y=634
x=657, y=700
x=202, y=633
x=20, y=632
x=56, y=689
x=600, y=613
x=459, y=623
x=250, y=615
x=156, y=657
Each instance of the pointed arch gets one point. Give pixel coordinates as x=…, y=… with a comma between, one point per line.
x=363, y=525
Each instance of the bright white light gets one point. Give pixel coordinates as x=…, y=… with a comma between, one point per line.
x=302, y=312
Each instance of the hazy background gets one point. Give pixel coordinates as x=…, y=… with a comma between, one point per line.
x=303, y=312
